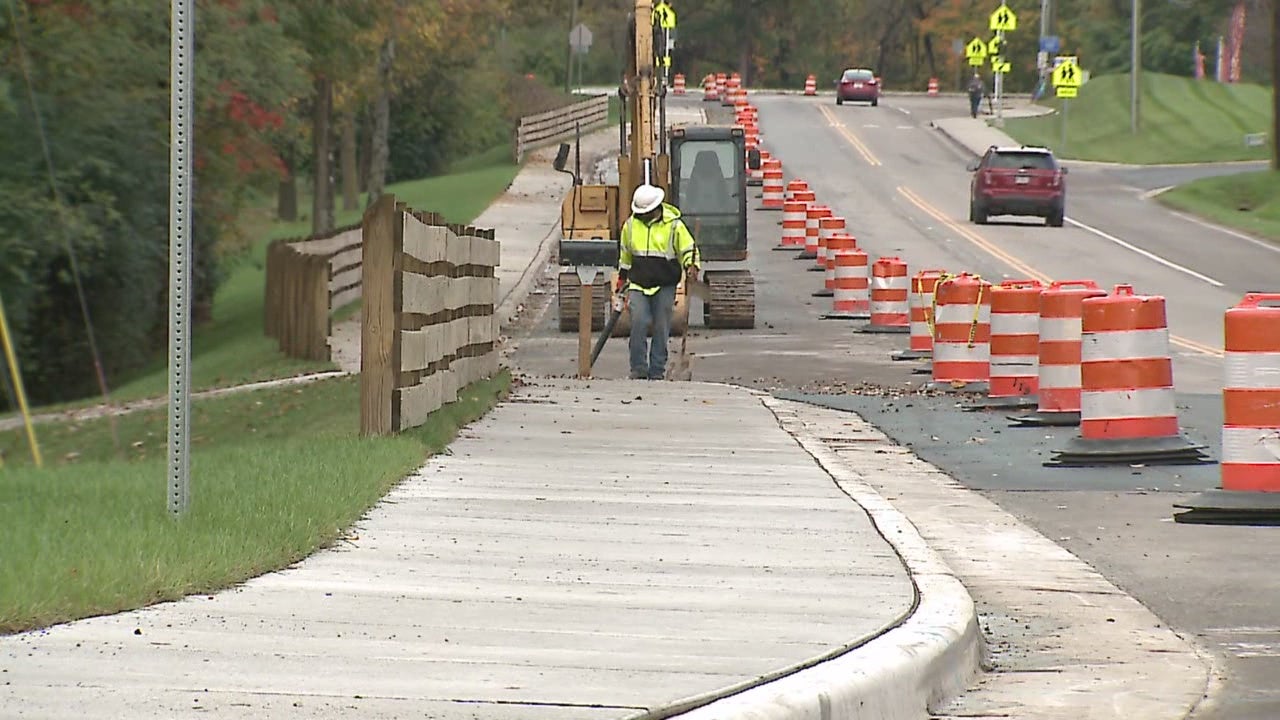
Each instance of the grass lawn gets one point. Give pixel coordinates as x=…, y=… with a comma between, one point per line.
x=275, y=475
x=1183, y=121
x=1249, y=201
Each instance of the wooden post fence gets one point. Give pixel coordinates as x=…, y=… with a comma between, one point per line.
x=428, y=322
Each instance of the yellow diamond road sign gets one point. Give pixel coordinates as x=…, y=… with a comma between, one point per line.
x=1004, y=19
x=975, y=49
x=1067, y=75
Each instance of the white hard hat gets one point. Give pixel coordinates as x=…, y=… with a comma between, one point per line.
x=646, y=198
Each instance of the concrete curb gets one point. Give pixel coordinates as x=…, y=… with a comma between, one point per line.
x=519, y=292
x=932, y=655
x=952, y=139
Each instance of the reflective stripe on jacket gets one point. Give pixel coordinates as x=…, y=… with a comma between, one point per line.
x=656, y=255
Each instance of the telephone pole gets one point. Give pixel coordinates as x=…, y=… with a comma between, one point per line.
x=1275, y=86
x=1135, y=87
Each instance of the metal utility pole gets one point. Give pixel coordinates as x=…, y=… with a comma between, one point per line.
x=1275, y=86
x=1135, y=88
x=568, y=64
x=181, y=77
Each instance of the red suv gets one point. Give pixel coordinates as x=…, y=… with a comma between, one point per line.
x=1018, y=181
x=858, y=85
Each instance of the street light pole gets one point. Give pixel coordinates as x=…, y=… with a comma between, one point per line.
x=1135, y=42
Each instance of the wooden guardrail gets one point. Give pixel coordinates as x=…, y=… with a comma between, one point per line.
x=560, y=124
x=428, y=323
x=306, y=280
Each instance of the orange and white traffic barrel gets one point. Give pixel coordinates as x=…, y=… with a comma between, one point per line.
x=731, y=89
x=1128, y=413
x=722, y=82
x=709, y=92
x=812, y=228
x=677, y=84
x=1015, y=346
x=771, y=197
x=1251, y=395
x=827, y=226
x=851, y=299
x=920, y=304
x=834, y=237
x=795, y=210
x=1061, y=337
x=811, y=85
x=1250, y=470
x=962, y=333
x=933, y=87
x=890, y=288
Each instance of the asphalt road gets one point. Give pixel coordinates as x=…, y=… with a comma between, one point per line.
x=904, y=190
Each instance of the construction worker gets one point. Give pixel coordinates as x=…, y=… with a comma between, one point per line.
x=656, y=250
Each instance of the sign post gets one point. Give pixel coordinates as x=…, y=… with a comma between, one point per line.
x=1067, y=79
x=1001, y=21
x=181, y=75
x=579, y=44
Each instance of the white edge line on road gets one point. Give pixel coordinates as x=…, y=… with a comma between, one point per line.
x=904, y=111
x=1149, y=255
x=1227, y=231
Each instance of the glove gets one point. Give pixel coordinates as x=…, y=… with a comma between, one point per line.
x=692, y=273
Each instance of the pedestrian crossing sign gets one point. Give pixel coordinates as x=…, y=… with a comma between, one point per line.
x=1066, y=92
x=1004, y=19
x=1067, y=74
x=665, y=15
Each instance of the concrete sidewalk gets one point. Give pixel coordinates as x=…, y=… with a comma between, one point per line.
x=599, y=549
x=975, y=135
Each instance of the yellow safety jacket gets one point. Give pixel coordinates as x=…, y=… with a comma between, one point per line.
x=656, y=255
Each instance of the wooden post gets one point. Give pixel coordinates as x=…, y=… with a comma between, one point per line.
x=584, y=328
x=318, y=306
x=379, y=364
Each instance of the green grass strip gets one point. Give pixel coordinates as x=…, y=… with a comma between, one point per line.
x=1249, y=202
x=276, y=474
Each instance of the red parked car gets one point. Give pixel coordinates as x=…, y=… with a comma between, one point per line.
x=1018, y=181
x=858, y=85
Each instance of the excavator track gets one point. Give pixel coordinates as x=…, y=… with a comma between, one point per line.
x=567, y=296
x=733, y=300
x=570, y=287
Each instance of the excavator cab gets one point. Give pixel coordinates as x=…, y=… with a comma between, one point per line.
x=709, y=185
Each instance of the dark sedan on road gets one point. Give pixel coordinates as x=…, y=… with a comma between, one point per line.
x=858, y=85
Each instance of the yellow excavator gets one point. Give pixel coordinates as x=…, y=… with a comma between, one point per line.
x=703, y=170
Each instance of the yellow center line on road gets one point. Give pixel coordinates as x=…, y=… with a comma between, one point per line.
x=848, y=135
x=1021, y=266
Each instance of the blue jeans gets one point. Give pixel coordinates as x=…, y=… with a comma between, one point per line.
x=649, y=360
